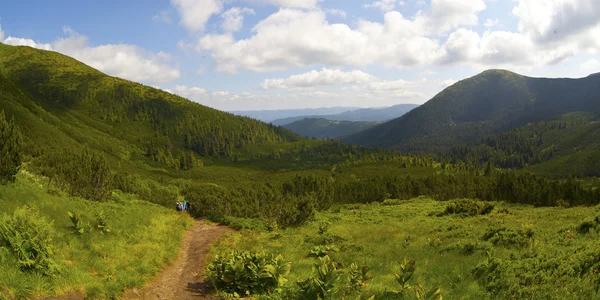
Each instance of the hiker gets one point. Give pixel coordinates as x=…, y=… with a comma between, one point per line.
x=185, y=205
x=179, y=206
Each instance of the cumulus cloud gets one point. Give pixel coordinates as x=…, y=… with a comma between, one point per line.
x=196, y=13
x=189, y=92
x=121, y=60
x=15, y=41
x=233, y=19
x=553, y=21
x=448, y=14
x=318, y=78
x=294, y=38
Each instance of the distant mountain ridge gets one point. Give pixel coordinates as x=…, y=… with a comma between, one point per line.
x=321, y=128
x=270, y=115
x=493, y=101
x=375, y=114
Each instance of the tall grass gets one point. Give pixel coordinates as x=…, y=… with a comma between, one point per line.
x=143, y=237
x=454, y=252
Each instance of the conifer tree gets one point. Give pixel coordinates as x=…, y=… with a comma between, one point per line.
x=10, y=149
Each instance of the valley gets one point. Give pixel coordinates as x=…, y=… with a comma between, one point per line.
x=484, y=197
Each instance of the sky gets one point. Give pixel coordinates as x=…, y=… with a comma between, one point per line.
x=285, y=54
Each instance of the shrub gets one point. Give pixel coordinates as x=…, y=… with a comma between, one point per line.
x=358, y=276
x=244, y=223
x=29, y=237
x=468, y=207
x=587, y=225
x=245, y=273
x=320, y=251
x=76, y=223
x=506, y=237
x=323, y=282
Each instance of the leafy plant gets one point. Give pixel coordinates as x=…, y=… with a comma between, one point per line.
x=102, y=223
x=29, y=236
x=76, y=223
x=507, y=237
x=246, y=273
x=407, y=270
x=358, y=276
x=323, y=282
x=320, y=251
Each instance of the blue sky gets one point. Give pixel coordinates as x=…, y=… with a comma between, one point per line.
x=274, y=54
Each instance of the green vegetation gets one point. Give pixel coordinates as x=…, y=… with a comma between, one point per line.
x=324, y=129
x=98, y=250
x=414, y=251
x=10, y=149
x=514, y=120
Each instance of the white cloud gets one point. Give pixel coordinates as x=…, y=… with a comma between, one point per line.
x=189, y=92
x=294, y=38
x=554, y=21
x=233, y=19
x=448, y=14
x=15, y=41
x=121, y=60
x=162, y=16
x=318, y=78
x=383, y=5
x=196, y=13
x=591, y=64
x=461, y=45
x=1, y=34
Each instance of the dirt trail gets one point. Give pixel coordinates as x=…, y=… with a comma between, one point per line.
x=184, y=279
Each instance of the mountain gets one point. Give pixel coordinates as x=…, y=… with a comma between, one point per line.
x=375, y=114
x=270, y=115
x=549, y=126
x=492, y=102
x=60, y=103
x=322, y=128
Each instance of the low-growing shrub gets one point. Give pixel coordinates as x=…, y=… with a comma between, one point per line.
x=323, y=282
x=77, y=224
x=468, y=207
x=506, y=237
x=320, y=251
x=29, y=237
x=246, y=273
x=243, y=223
x=587, y=225
x=358, y=276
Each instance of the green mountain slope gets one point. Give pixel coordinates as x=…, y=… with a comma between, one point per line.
x=491, y=102
x=322, y=128
x=62, y=103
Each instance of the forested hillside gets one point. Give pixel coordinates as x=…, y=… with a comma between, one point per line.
x=61, y=103
x=512, y=120
x=322, y=128
x=491, y=102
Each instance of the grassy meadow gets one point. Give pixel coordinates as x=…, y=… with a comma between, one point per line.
x=138, y=239
x=514, y=252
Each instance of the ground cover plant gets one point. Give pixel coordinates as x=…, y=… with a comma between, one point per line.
x=55, y=244
x=414, y=251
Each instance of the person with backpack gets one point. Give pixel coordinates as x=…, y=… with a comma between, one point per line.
x=179, y=206
x=185, y=205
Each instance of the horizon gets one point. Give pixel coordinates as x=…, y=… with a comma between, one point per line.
x=242, y=55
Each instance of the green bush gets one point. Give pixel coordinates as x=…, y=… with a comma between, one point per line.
x=587, y=225
x=10, y=149
x=468, y=207
x=244, y=223
x=323, y=283
x=509, y=238
x=320, y=251
x=28, y=235
x=245, y=273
